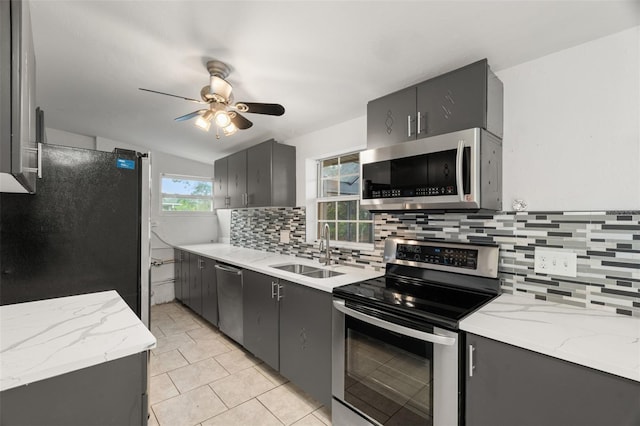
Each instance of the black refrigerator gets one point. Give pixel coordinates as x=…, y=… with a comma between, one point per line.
x=81, y=232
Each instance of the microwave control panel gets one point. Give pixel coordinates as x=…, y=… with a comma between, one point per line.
x=449, y=256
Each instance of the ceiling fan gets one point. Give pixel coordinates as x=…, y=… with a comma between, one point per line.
x=221, y=108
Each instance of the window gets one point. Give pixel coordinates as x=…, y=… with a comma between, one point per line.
x=186, y=194
x=339, y=200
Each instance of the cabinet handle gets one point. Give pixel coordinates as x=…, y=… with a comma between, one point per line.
x=273, y=289
x=200, y=264
x=471, y=363
x=408, y=126
x=418, y=126
x=280, y=296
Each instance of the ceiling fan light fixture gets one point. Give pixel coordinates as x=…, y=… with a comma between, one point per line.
x=222, y=118
x=230, y=129
x=220, y=87
x=204, y=121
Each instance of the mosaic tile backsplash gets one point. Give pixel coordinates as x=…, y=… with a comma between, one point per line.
x=607, y=245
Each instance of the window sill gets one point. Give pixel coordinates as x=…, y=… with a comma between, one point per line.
x=348, y=245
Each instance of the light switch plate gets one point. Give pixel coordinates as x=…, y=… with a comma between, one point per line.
x=555, y=262
x=285, y=236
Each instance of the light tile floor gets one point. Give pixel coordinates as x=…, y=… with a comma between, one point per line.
x=201, y=377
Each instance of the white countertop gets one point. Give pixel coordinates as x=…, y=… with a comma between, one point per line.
x=262, y=261
x=601, y=340
x=46, y=338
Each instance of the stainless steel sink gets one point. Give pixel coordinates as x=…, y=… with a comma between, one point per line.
x=296, y=268
x=307, y=271
x=322, y=273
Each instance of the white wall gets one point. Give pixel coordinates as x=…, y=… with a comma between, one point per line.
x=571, y=131
x=60, y=137
x=571, y=127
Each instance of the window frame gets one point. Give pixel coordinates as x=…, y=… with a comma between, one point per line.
x=164, y=195
x=336, y=199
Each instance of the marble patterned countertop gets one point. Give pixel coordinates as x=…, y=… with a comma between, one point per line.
x=263, y=262
x=598, y=339
x=47, y=338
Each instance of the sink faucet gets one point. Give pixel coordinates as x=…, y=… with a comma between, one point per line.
x=324, y=245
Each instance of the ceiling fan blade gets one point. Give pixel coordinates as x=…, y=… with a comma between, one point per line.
x=240, y=122
x=191, y=115
x=175, y=96
x=260, y=108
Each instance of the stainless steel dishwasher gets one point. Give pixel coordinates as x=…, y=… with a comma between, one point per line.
x=229, y=281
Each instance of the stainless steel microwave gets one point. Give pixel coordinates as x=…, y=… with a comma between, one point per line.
x=455, y=171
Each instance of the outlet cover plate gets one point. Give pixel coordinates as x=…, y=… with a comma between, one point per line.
x=555, y=262
x=285, y=235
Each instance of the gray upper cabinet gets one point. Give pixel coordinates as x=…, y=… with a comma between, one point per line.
x=220, y=184
x=471, y=96
x=392, y=118
x=261, y=317
x=261, y=176
x=305, y=339
x=18, y=118
x=271, y=175
x=237, y=179
x=514, y=386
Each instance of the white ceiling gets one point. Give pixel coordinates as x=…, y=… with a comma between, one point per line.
x=322, y=60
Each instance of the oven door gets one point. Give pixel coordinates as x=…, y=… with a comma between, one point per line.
x=384, y=372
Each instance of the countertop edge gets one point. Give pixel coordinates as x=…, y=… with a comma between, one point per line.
x=525, y=322
x=125, y=335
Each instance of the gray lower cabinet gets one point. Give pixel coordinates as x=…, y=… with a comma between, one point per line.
x=209, y=290
x=113, y=393
x=184, y=277
x=305, y=339
x=514, y=386
x=194, y=300
x=261, y=317
x=177, y=273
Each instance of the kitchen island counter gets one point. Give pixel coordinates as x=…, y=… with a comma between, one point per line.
x=48, y=338
x=593, y=338
x=263, y=262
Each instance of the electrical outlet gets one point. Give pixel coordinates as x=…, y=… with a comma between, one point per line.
x=555, y=262
x=284, y=236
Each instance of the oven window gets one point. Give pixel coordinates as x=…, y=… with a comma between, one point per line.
x=387, y=376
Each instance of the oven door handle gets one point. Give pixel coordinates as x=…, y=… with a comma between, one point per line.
x=406, y=331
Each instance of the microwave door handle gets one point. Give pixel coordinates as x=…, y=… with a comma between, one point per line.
x=459, y=157
x=406, y=331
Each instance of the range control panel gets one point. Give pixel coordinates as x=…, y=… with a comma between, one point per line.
x=438, y=255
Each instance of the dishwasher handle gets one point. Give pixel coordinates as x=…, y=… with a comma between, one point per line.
x=230, y=269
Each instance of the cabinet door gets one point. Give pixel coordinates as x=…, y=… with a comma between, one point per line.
x=514, y=386
x=209, y=291
x=259, y=174
x=177, y=274
x=392, y=118
x=453, y=101
x=195, y=284
x=237, y=175
x=260, y=317
x=184, y=280
x=305, y=339
x=220, y=183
